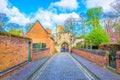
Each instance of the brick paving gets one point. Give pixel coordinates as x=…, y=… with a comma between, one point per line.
x=102, y=73
x=26, y=71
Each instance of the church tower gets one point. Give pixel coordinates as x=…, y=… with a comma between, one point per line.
x=60, y=29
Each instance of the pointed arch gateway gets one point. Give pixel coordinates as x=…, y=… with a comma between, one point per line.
x=64, y=41
x=64, y=47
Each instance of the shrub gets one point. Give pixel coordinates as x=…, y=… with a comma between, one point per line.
x=112, y=48
x=97, y=36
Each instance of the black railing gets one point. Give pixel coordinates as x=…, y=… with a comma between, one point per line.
x=38, y=50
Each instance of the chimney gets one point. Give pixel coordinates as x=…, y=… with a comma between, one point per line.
x=49, y=31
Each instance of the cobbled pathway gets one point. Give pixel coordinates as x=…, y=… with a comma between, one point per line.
x=61, y=67
x=102, y=73
x=26, y=71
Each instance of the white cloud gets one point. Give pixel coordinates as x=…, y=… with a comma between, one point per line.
x=13, y=13
x=105, y=4
x=44, y=17
x=66, y=4
x=17, y=17
x=60, y=19
x=3, y=5
x=49, y=19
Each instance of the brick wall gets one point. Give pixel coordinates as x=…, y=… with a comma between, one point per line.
x=13, y=50
x=36, y=55
x=118, y=62
x=50, y=45
x=99, y=59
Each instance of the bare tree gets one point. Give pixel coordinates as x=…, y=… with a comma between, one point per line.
x=3, y=20
x=74, y=25
x=116, y=7
x=69, y=24
x=109, y=23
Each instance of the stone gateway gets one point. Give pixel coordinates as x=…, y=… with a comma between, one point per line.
x=64, y=41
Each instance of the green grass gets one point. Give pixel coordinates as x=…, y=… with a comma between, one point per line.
x=113, y=70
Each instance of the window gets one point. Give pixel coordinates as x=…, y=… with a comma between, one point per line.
x=39, y=45
x=43, y=45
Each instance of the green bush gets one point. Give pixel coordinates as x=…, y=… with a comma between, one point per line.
x=97, y=36
x=78, y=46
x=15, y=32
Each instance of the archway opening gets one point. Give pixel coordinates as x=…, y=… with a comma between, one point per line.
x=64, y=47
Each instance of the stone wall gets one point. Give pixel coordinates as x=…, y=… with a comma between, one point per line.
x=13, y=51
x=61, y=38
x=99, y=57
x=42, y=53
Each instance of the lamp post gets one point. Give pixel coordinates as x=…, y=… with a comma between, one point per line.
x=86, y=45
x=70, y=44
x=90, y=44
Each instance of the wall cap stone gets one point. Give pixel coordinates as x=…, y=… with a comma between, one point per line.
x=8, y=34
x=118, y=55
x=97, y=52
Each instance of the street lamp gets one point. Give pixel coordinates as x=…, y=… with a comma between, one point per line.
x=90, y=44
x=86, y=45
x=70, y=43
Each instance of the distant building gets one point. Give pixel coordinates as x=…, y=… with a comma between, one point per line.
x=39, y=35
x=60, y=29
x=63, y=40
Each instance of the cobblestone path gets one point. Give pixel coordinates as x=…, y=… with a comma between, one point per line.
x=60, y=67
x=102, y=73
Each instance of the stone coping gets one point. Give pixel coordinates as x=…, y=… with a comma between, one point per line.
x=8, y=34
x=98, y=52
x=118, y=55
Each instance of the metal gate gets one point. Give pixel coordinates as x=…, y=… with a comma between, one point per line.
x=112, y=60
x=29, y=57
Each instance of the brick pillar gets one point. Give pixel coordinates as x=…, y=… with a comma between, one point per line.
x=107, y=58
x=118, y=62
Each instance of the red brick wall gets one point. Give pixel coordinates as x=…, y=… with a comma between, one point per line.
x=13, y=51
x=118, y=62
x=40, y=54
x=98, y=59
x=50, y=45
x=52, y=48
